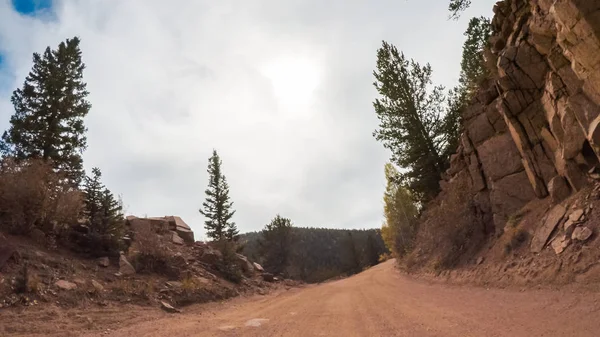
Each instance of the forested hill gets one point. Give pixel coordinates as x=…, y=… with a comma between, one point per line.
x=317, y=254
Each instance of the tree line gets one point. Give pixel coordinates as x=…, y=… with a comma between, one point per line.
x=313, y=254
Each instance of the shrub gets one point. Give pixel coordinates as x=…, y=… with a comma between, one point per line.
x=149, y=256
x=32, y=195
x=516, y=239
x=229, y=266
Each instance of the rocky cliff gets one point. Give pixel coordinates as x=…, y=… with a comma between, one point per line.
x=532, y=131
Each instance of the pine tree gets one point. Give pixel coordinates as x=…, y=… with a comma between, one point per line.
x=217, y=206
x=105, y=213
x=352, y=255
x=473, y=70
x=49, y=111
x=371, y=253
x=276, y=244
x=412, y=120
x=456, y=7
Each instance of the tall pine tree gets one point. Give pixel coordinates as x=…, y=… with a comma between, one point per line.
x=217, y=207
x=49, y=111
x=412, y=117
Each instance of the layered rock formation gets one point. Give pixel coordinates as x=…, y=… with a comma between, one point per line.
x=533, y=130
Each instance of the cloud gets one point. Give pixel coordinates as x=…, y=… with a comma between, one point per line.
x=170, y=81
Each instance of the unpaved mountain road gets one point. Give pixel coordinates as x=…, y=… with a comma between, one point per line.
x=382, y=302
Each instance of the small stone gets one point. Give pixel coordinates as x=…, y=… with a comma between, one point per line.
x=560, y=244
x=65, y=285
x=104, y=262
x=169, y=308
x=97, y=286
x=79, y=282
x=480, y=260
x=175, y=284
x=581, y=233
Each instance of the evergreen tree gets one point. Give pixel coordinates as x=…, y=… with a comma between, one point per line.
x=49, y=111
x=105, y=214
x=352, y=255
x=412, y=120
x=217, y=206
x=456, y=7
x=473, y=70
x=276, y=244
x=371, y=253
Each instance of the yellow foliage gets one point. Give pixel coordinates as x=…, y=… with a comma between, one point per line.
x=401, y=214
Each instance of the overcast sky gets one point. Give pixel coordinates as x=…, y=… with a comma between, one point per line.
x=282, y=89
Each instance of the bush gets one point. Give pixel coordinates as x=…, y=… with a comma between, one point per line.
x=33, y=195
x=229, y=266
x=516, y=239
x=451, y=226
x=149, y=255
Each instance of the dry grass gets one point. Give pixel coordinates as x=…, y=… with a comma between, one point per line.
x=450, y=228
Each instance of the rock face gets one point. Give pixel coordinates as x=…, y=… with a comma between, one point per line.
x=533, y=130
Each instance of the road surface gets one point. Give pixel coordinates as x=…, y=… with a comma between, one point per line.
x=382, y=302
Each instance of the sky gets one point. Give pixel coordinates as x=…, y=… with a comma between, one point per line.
x=281, y=89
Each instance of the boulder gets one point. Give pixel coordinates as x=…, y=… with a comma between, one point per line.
x=268, y=277
x=169, y=308
x=125, y=268
x=98, y=287
x=559, y=189
x=211, y=256
x=581, y=234
x=245, y=265
x=65, y=285
x=183, y=230
x=560, y=244
x=258, y=267
x=542, y=233
x=104, y=261
x=176, y=239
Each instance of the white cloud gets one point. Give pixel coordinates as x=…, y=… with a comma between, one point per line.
x=170, y=81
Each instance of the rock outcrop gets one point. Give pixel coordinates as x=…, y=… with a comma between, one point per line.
x=174, y=225
x=534, y=129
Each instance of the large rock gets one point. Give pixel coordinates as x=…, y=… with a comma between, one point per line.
x=245, y=265
x=211, y=256
x=125, y=268
x=268, y=277
x=543, y=232
x=104, y=262
x=581, y=234
x=183, y=230
x=559, y=189
x=258, y=267
x=65, y=285
x=98, y=287
x=560, y=244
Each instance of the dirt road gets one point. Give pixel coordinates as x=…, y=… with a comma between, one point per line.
x=381, y=302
